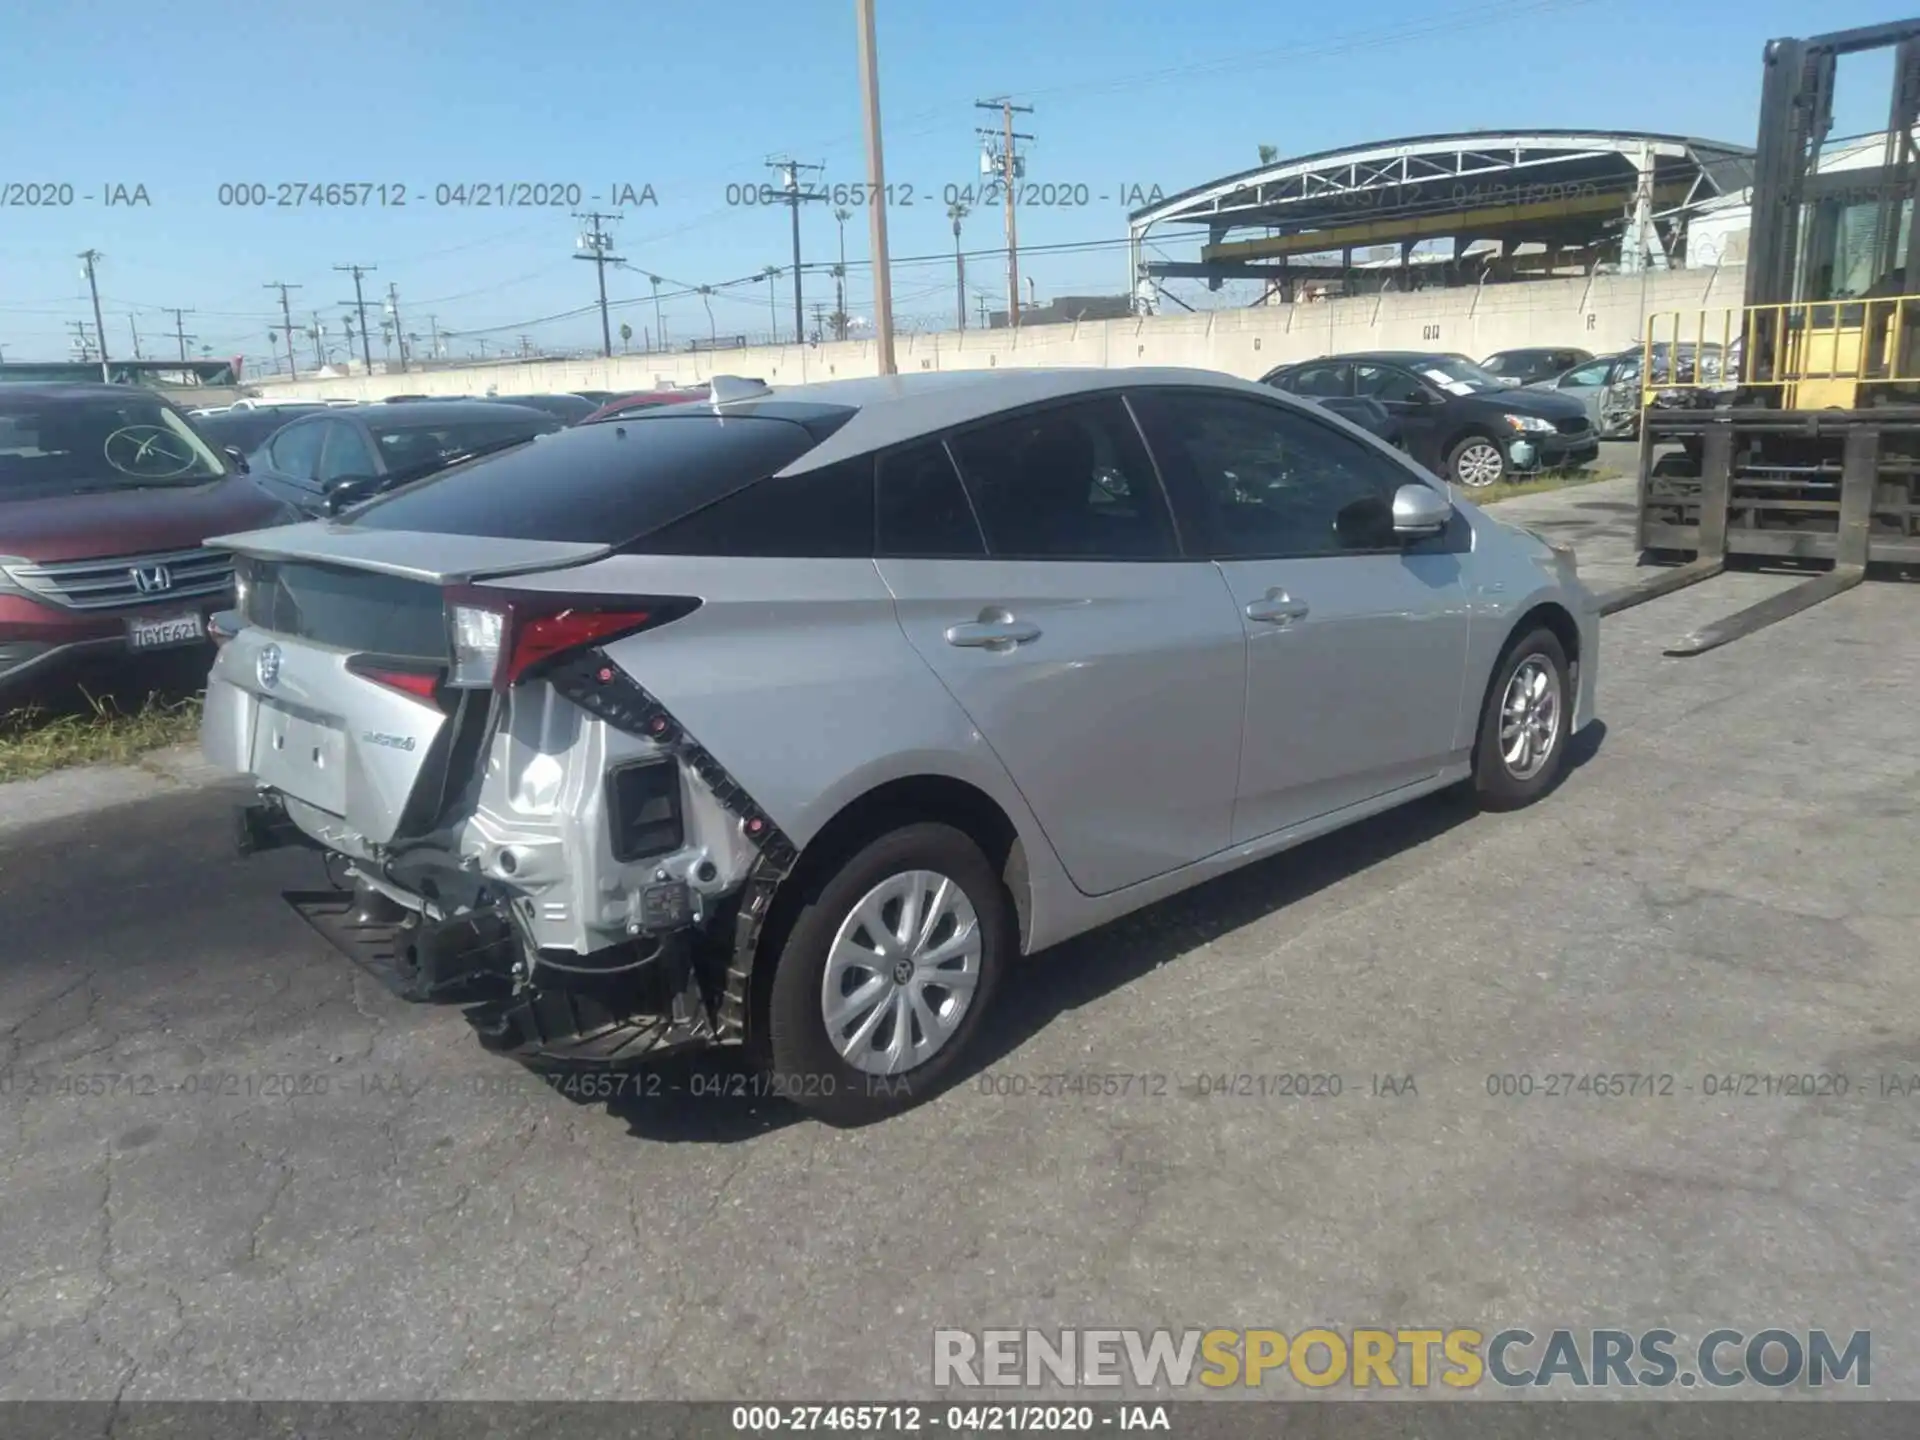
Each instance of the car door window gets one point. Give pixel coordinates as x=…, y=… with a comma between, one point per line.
x=1253, y=480
x=923, y=509
x=1387, y=384
x=1320, y=380
x=1068, y=482
x=345, y=453
x=295, y=451
x=824, y=514
x=1587, y=375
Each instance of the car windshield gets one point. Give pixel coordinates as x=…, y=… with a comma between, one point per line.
x=69, y=444
x=1457, y=375
x=417, y=444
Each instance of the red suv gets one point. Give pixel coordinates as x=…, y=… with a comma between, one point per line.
x=107, y=494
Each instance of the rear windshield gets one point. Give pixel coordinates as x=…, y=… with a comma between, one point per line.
x=409, y=444
x=602, y=484
x=71, y=444
x=247, y=430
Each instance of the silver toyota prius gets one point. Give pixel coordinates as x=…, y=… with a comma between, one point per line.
x=787, y=719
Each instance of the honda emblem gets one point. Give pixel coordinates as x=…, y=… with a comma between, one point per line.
x=151, y=579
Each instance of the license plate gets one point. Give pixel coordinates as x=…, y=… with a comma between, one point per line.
x=160, y=631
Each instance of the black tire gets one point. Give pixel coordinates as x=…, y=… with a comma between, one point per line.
x=1476, y=443
x=801, y=1058
x=1496, y=784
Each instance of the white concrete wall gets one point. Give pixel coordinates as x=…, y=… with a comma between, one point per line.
x=1601, y=314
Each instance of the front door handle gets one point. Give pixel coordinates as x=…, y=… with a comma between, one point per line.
x=1277, y=607
x=994, y=630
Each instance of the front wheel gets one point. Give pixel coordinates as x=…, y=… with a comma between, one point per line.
x=1476, y=462
x=886, y=974
x=1524, y=724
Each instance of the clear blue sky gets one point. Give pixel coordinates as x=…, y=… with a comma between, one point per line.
x=183, y=97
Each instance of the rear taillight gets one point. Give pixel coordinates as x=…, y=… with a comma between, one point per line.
x=420, y=684
x=499, y=637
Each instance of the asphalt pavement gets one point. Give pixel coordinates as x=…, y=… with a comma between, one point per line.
x=298, y=1186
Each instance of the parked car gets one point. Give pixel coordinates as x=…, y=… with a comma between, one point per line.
x=1458, y=420
x=1608, y=386
x=1525, y=367
x=569, y=408
x=338, y=452
x=107, y=495
x=647, y=400
x=1369, y=414
x=241, y=432
x=790, y=719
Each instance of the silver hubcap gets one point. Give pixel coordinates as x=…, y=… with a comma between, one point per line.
x=1479, y=464
x=1530, y=718
x=901, y=973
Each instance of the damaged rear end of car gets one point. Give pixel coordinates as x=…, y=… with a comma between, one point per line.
x=510, y=819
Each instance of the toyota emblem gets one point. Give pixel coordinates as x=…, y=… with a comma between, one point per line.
x=267, y=667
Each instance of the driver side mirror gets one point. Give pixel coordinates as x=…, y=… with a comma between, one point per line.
x=1419, y=512
x=235, y=458
x=1425, y=396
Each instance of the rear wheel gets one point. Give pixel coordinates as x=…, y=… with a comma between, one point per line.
x=1476, y=462
x=1524, y=724
x=885, y=975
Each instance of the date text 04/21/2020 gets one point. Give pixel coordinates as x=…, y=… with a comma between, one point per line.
x=459, y=195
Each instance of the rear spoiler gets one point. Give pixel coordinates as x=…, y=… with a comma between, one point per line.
x=433, y=559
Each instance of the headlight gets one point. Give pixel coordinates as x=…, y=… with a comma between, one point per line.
x=1530, y=424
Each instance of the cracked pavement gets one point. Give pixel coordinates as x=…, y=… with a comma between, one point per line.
x=1726, y=884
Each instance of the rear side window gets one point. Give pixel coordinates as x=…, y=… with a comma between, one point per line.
x=1071, y=482
x=824, y=514
x=924, y=513
x=295, y=451
x=605, y=484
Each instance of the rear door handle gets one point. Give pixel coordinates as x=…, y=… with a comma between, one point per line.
x=1277, y=607
x=994, y=630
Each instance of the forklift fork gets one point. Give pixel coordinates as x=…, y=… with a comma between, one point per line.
x=1858, y=474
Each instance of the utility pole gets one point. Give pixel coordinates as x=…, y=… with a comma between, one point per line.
x=399, y=330
x=99, y=331
x=433, y=337
x=1012, y=168
x=286, y=323
x=790, y=172
x=840, y=280
x=597, y=246
x=359, y=303
x=983, y=312
x=319, y=348
x=957, y=212
x=706, y=299
x=180, y=330
x=81, y=340
x=134, y=326
x=877, y=185
x=819, y=321
x=771, y=274
x=659, y=325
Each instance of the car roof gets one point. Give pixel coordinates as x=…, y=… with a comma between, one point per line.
x=894, y=409
x=439, y=410
x=79, y=390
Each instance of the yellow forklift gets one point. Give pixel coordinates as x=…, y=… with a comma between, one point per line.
x=1787, y=431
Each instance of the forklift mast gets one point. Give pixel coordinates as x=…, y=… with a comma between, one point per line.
x=1796, y=439
x=1815, y=233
